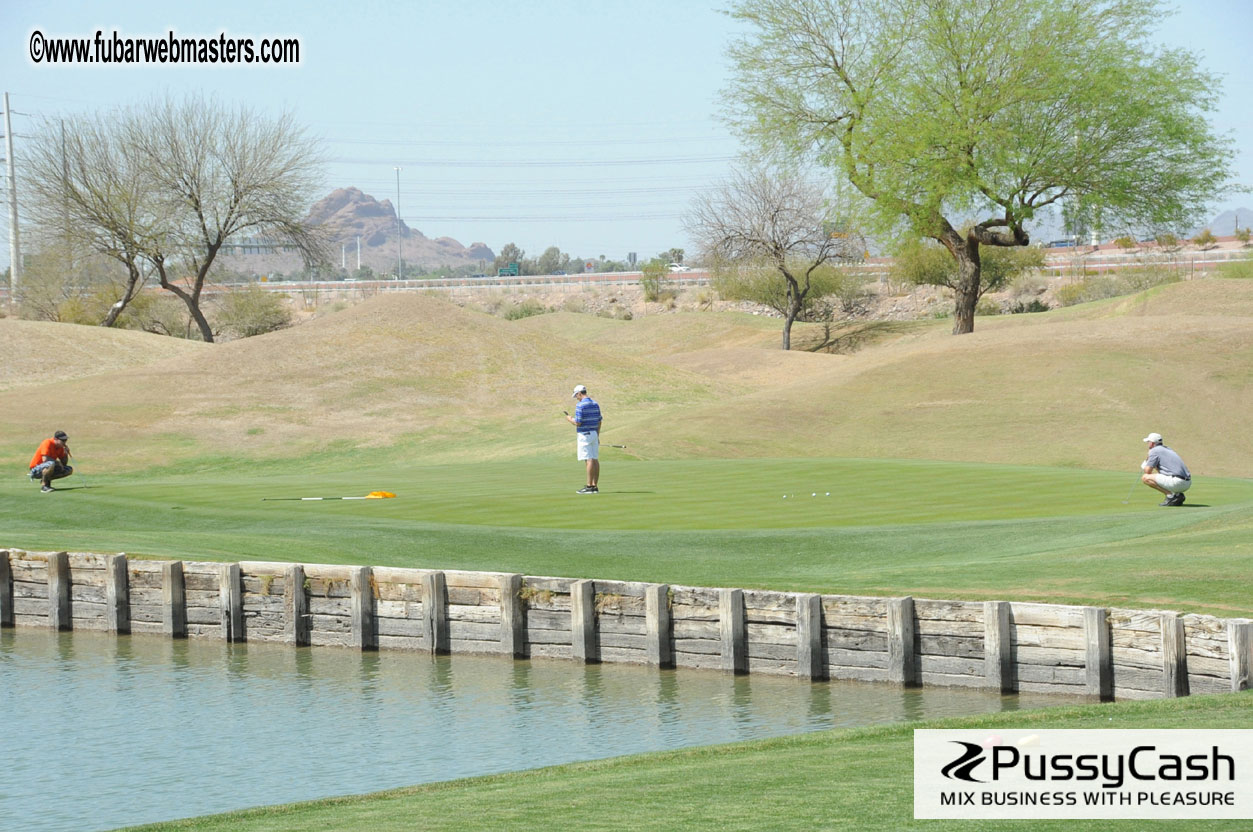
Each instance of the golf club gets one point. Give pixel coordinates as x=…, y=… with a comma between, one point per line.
x=1129, y=490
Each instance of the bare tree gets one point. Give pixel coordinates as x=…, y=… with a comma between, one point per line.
x=90, y=192
x=219, y=174
x=777, y=223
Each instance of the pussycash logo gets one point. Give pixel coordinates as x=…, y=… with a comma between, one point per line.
x=1143, y=763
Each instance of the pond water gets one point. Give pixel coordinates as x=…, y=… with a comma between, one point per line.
x=102, y=731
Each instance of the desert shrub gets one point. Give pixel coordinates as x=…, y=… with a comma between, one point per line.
x=767, y=287
x=1125, y=282
x=1033, y=305
x=1242, y=234
x=1126, y=243
x=1028, y=284
x=244, y=313
x=616, y=313
x=654, y=280
x=574, y=303
x=1205, y=240
x=527, y=308
x=986, y=307
x=703, y=297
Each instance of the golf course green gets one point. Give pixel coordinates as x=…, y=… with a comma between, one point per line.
x=888, y=527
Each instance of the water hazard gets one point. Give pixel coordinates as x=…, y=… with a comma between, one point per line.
x=102, y=731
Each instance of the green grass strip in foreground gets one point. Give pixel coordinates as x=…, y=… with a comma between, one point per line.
x=858, y=779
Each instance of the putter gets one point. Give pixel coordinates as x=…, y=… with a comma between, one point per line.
x=1129, y=490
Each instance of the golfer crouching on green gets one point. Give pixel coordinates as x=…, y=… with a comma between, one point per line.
x=51, y=461
x=1164, y=471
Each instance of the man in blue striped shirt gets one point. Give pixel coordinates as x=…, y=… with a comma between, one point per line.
x=587, y=421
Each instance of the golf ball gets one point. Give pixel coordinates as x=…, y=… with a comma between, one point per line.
x=815, y=494
x=785, y=496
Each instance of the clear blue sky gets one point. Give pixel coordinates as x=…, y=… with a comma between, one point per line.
x=588, y=125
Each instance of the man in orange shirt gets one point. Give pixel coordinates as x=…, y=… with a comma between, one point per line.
x=51, y=461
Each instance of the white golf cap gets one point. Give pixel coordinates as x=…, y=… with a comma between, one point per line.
x=1154, y=437
x=577, y=390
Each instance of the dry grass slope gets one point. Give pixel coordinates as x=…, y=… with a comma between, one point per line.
x=1079, y=386
x=37, y=352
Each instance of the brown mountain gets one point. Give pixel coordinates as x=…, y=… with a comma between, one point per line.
x=348, y=215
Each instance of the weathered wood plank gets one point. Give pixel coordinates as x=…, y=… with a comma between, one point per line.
x=435, y=612
x=998, y=659
x=1174, y=656
x=657, y=625
x=230, y=594
x=1239, y=647
x=364, y=635
x=1046, y=615
x=733, y=630
x=810, y=659
x=512, y=620
x=1098, y=662
x=548, y=620
x=583, y=643
x=296, y=607
x=6, y=591
x=173, y=600
x=60, y=614
x=902, y=642
x=856, y=658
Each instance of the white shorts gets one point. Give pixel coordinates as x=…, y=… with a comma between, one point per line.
x=1175, y=485
x=589, y=445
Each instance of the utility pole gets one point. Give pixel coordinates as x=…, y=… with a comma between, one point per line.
x=358, y=252
x=15, y=246
x=400, y=269
x=343, y=254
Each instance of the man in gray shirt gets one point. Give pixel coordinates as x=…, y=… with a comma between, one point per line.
x=1164, y=471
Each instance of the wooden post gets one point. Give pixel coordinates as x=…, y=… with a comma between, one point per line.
x=59, y=613
x=6, y=591
x=1099, y=659
x=173, y=600
x=512, y=619
x=1240, y=643
x=810, y=661
x=903, y=642
x=657, y=625
x=998, y=659
x=231, y=596
x=1174, y=656
x=733, y=629
x=296, y=607
x=117, y=601
x=583, y=623
x=364, y=636
x=435, y=612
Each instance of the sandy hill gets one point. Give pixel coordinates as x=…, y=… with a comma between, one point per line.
x=427, y=379
x=37, y=352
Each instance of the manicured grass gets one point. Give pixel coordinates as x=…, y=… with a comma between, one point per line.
x=931, y=529
x=859, y=779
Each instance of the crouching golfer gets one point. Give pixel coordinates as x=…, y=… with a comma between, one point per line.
x=51, y=461
x=587, y=421
x=1164, y=471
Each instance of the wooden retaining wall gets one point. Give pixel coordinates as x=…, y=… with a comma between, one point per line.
x=1097, y=652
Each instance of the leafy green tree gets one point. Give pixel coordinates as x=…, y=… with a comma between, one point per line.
x=1205, y=240
x=252, y=311
x=961, y=120
x=549, y=261
x=510, y=253
x=1242, y=234
x=673, y=255
x=654, y=277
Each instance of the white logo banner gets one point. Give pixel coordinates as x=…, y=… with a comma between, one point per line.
x=1073, y=773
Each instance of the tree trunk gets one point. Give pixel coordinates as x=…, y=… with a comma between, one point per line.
x=206, y=332
x=787, y=330
x=115, y=310
x=969, y=273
